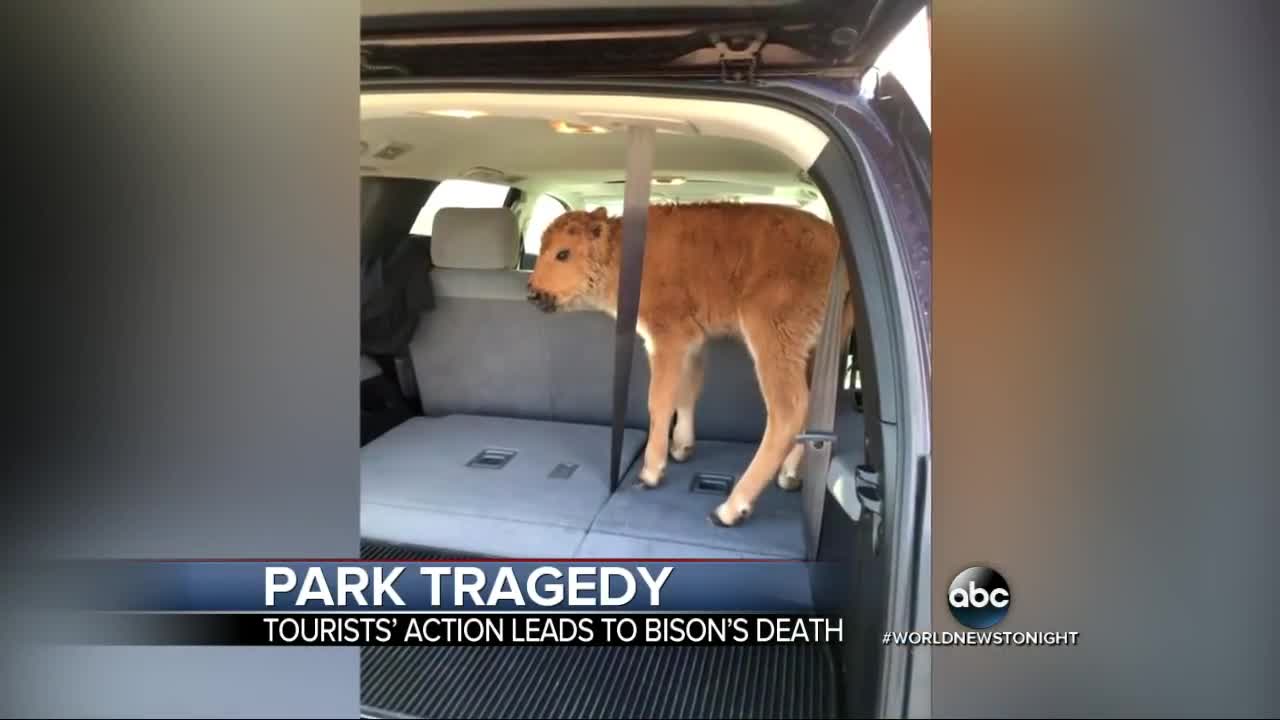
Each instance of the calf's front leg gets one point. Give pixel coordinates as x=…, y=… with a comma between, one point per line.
x=665, y=361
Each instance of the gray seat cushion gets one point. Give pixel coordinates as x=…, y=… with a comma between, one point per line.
x=671, y=520
x=495, y=372
x=417, y=488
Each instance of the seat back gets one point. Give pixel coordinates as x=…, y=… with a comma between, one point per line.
x=485, y=350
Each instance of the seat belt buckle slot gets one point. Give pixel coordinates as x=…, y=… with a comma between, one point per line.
x=712, y=483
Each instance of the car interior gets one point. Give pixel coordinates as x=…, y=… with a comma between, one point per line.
x=489, y=435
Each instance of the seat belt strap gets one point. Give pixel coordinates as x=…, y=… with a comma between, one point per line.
x=635, y=220
x=823, y=392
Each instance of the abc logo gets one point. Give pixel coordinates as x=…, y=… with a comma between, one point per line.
x=979, y=597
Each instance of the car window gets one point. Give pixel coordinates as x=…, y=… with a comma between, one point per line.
x=458, y=193
x=546, y=208
x=614, y=205
x=908, y=58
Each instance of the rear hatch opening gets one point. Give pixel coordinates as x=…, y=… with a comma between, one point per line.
x=506, y=453
x=508, y=117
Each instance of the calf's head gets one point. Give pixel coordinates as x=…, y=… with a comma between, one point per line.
x=570, y=269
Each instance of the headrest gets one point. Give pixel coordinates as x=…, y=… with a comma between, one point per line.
x=475, y=239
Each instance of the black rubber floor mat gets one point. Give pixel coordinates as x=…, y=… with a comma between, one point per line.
x=780, y=681
x=378, y=550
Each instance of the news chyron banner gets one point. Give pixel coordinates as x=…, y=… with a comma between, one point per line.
x=358, y=603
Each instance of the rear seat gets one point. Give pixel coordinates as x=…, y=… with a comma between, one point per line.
x=534, y=391
x=489, y=469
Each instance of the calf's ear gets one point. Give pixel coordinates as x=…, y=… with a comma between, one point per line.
x=599, y=217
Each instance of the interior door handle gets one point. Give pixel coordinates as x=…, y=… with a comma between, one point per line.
x=866, y=485
x=859, y=492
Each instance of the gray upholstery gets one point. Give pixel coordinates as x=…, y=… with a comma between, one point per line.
x=599, y=544
x=499, y=355
x=475, y=239
x=730, y=406
x=416, y=486
x=673, y=520
x=605, y=545
x=493, y=371
x=510, y=286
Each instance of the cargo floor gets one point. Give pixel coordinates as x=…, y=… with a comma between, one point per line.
x=779, y=681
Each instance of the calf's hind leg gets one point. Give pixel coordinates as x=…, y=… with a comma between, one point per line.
x=780, y=370
x=789, y=476
x=682, y=440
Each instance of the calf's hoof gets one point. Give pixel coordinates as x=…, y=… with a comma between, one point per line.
x=726, y=515
x=649, y=477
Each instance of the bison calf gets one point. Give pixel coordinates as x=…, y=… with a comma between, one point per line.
x=755, y=272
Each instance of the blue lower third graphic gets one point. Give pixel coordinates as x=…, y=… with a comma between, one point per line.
x=356, y=586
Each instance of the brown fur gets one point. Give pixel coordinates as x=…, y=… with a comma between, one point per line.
x=756, y=272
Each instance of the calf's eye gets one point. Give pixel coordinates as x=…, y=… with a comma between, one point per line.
x=562, y=255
